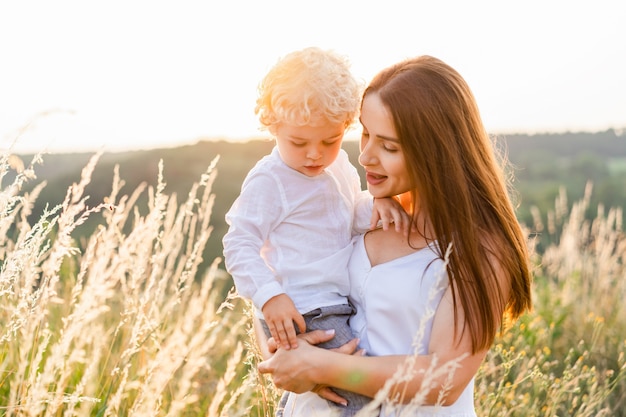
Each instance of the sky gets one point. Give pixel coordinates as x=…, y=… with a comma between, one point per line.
x=79, y=75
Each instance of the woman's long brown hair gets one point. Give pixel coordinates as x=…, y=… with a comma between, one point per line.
x=459, y=184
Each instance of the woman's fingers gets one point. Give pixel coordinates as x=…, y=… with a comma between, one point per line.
x=272, y=345
x=266, y=367
x=316, y=337
x=330, y=395
x=348, y=348
x=288, y=369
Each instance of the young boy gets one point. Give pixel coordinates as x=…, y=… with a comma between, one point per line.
x=291, y=228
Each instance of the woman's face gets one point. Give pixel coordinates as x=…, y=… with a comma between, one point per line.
x=381, y=153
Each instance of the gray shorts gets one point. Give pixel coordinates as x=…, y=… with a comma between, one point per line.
x=325, y=318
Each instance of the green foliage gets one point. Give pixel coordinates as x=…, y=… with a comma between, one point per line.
x=542, y=165
x=546, y=165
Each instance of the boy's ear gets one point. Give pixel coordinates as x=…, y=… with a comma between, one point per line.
x=273, y=129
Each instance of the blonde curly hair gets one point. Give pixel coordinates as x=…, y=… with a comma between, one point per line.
x=308, y=87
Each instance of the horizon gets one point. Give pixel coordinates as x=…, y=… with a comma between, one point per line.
x=619, y=133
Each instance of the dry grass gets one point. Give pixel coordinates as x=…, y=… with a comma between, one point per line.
x=129, y=323
x=566, y=357
x=120, y=326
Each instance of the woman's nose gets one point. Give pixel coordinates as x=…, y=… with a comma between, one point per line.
x=365, y=158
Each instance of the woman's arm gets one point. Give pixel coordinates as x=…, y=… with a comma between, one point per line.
x=301, y=369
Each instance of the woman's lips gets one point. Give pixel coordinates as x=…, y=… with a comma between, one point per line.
x=374, y=179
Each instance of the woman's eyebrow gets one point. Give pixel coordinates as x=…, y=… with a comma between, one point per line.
x=389, y=138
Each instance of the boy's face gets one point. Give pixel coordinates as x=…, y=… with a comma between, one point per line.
x=309, y=149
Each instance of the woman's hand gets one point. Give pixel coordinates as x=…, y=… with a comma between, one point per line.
x=328, y=394
x=295, y=369
x=325, y=391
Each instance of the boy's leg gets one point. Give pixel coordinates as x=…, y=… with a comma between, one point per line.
x=331, y=317
x=266, y=328
x=337, y=318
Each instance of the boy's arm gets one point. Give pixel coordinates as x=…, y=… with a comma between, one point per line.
x=253, y=216
x=389, y=211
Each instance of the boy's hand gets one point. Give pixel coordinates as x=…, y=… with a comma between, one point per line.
x=280, y=314
x=389, y=211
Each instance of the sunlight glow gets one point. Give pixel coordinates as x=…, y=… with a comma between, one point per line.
x=132, y=75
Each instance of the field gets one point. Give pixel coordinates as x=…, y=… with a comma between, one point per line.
x=617, y=165
x=130, y=321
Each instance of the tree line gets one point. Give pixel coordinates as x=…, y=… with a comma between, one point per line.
x=541, y=166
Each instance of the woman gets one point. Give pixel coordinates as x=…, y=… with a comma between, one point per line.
x=453, y=282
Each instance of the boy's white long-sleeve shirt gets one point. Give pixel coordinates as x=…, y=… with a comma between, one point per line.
x=290, y=233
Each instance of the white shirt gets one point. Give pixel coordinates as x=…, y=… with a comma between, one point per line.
x=290, y=233
x=395, y=305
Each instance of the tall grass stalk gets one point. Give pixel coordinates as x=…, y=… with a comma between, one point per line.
x=126, y=324
x=132, y=321
x=567, y=356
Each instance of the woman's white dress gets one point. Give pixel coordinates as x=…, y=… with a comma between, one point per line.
x=395, y=303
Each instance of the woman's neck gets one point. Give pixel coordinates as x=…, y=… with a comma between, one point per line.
x=406, y=200
x=422, y=223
